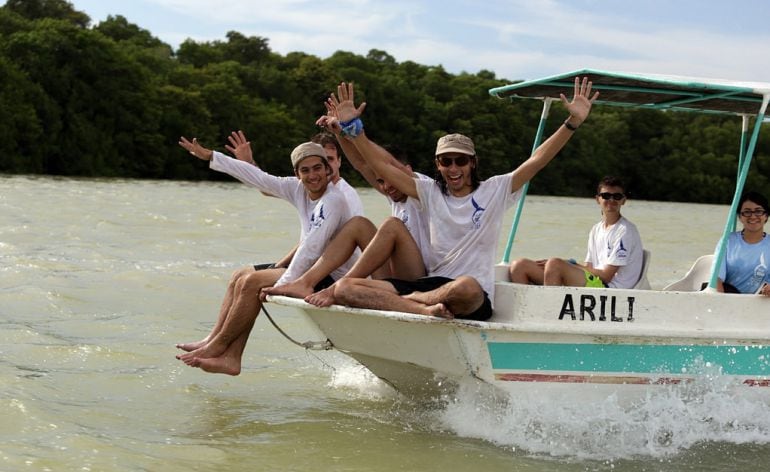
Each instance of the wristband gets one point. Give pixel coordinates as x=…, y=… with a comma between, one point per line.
x=570, y=126
x=352, y=128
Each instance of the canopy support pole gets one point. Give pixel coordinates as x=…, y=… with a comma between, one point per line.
x=538, y=138
x=741, y=157
x=742, y=175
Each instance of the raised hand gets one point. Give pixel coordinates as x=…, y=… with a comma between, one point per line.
x=194, y=148
x=240, y=147
x=580, y=106
x=343, y=103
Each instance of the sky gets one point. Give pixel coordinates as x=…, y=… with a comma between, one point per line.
x=516, y=39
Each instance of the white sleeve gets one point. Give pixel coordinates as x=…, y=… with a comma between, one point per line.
x=326, y=219
x=250, y=174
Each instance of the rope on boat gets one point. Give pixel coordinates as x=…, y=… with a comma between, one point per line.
x=311, y=345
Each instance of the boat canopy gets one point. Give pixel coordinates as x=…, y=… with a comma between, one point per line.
x=662, y=92
x=658, y=92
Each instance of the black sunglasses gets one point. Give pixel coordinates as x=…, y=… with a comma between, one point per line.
x=445, y=161
x=614, y=196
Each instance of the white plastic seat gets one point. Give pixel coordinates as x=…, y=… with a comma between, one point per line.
x=643, y=283
x=693, y=280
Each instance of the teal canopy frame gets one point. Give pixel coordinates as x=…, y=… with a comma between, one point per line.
x=656, y=92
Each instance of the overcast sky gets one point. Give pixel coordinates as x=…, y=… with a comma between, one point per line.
x=517, y=39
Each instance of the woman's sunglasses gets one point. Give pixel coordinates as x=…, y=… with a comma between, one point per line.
x=614, y=196
x=755, y=212
x=445, y=161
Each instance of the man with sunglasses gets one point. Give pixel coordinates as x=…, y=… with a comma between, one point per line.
x=746, y=266
x=465, y=217
x=614, y=257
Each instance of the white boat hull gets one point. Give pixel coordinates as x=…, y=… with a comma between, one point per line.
x=602, y=341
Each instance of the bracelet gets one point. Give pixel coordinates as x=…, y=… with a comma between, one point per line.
x=352, y=128
x=570, y=126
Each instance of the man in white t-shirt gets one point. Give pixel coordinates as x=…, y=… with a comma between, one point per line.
x=323, y=211
x=614, y=257
x=465, y=218
x=400, y=254
x=334, y=157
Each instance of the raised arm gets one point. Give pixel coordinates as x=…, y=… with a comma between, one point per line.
x=377, y=158
x=332, y=124
x=578, y=109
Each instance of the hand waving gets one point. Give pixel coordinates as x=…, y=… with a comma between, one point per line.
x=343, y=103
x=240, y=147
x=580, y=106
x=194, y=148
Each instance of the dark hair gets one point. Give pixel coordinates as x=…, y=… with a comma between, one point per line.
x=611, y=181
x=755, y=197
x=475, y=180
x=324, y=137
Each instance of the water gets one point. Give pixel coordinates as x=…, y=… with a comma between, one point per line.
x=100, y=278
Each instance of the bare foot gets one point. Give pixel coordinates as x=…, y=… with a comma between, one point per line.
x=294, y=289
x=216, y=365
x=207, y=351
x=421, y=297
x=193, y=346
x=322, y=298
x=440, y=310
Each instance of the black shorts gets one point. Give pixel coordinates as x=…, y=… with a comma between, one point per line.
x=325, y=283
x=426, y=284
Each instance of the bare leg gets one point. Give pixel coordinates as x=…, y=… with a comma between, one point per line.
x=391, y=246
x=527, y=271
x=225, y=307
x=229, y=362
x=561, y=272
x=381, y=295
x=238, y=321
x=395, y=243
x=461, y=296
x=357, y=232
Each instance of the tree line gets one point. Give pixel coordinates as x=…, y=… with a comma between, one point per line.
x=111, y=100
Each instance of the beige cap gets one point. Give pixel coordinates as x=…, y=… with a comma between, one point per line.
x=455, y=143
x=306, y=150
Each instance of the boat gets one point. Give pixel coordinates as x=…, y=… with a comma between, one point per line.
x=586, y=342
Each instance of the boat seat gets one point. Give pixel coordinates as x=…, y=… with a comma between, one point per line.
x=643, y=283
x=693, y=280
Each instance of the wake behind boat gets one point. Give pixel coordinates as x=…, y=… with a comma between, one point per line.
x=599, y=341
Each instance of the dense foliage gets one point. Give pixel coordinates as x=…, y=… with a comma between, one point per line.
x=112, y=100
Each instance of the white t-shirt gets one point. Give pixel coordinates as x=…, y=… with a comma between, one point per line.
x=464, y=231
x=320, y=220
x=411, y=213
x=619, y=245
x=354, y=201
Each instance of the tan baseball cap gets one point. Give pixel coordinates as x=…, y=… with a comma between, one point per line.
x=306, y=150
x=455, y=143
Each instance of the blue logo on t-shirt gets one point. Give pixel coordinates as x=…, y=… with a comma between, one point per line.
x=317, y=218
x=622, y=253
x=477, y=214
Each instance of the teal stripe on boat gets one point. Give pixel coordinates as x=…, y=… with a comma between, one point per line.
x=628, y=358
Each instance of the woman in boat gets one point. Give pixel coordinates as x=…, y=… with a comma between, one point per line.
x=747, y=255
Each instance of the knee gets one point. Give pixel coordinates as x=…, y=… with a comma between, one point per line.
x=239, y=274
x=518, y=266
x=467, y=288
x=252, y=283
x=393, y=224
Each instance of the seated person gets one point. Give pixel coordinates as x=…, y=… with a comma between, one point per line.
x=615, y=253
x=747, y=255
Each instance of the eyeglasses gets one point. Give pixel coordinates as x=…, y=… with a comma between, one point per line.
x=445, y=161
x=614, y=196
x=755, y=212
